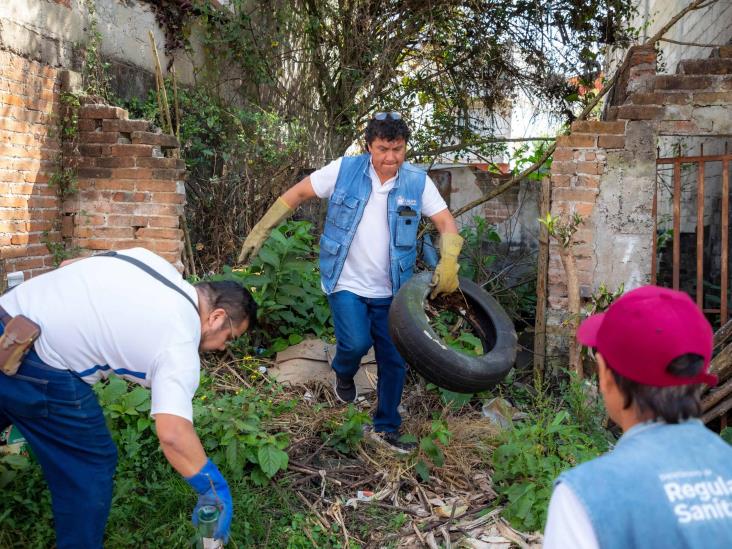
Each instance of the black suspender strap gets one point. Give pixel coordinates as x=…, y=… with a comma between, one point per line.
x=152, y=272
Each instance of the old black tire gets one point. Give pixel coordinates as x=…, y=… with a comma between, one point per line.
x=423, y=350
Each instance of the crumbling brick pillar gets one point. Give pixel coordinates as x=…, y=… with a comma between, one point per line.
x=638, y=76
x=130, y=186
x=580, y=160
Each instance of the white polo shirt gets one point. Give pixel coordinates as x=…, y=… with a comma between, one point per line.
x=366, y=270
x=103, y=315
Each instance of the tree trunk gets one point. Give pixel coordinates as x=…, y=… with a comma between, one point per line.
x=573, y=296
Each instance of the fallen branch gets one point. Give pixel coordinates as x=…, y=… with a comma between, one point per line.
x=508, y=533
x=389, y=506
x=324, y=523
x=722, y=335
x=310, y=471
x=448, y=521
x=722, y=363
x=487, y=140
x=696, y=44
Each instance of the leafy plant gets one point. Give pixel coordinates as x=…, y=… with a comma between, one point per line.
x=231, y=428
x=664, y=233
x=430, y=448
x=10, y=464
x=528, y=154
x=345, y=435
x=451, y=398
x=726, y=435
x=603, y=298
x=562, y=230
x=285, y=282
x=461, y=339
x=474, y=261
x=306, y=531
x=530, y=457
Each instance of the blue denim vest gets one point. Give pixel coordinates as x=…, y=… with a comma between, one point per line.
x=662, y=486
x=346, y=206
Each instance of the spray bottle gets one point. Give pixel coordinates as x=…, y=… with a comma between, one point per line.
x=208, y=518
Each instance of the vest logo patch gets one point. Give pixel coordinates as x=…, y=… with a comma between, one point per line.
x=401, y=201
x=698, y=495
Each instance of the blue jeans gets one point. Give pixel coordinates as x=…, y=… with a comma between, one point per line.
x=361, y=322
x=60, y=417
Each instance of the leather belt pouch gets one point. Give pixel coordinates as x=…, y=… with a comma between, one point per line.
x=17, y=339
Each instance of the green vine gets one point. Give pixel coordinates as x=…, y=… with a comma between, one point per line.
x=64, y=177
x=60, y=250
x=95, y=72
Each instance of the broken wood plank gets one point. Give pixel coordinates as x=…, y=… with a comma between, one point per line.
x=718, y=411
x=716, y=395
x=722, y=363
x=722, y=335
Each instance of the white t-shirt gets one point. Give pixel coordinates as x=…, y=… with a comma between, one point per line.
x=101, y=315
x=366, y=270
x=567, y=523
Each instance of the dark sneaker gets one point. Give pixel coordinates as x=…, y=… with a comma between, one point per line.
x=345, y=389
x=393, y=440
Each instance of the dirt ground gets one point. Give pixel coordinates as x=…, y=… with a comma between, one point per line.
x=456, y=507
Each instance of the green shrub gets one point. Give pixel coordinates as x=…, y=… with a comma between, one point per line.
x=285, y=281
x=531, y=456
x=346, y=434
x=474, y=262
x=430, y=453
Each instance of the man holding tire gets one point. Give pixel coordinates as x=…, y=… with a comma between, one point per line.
x=367, y=252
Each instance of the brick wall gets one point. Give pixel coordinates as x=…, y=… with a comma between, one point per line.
x=130, y=188
x=606, y=171
x=129, y=192
x=29, y=103
x=505, y=205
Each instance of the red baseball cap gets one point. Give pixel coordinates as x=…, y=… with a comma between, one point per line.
x=647, y=328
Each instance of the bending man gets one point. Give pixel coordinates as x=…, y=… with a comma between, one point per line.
x=102, y=315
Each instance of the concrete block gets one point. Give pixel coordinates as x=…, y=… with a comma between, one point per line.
x=70, y=81
x=677, y=112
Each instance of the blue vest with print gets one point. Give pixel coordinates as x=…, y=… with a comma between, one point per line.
x=346, y=206
x=662, y=486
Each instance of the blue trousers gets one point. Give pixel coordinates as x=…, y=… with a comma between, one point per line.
x=361, y=322
x=60, y=417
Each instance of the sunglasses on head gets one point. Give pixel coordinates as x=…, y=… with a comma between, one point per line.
x=385, y=115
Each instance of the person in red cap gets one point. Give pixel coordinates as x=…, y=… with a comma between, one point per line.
x=668, y=481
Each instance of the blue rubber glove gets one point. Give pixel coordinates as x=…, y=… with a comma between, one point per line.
x=213, y=490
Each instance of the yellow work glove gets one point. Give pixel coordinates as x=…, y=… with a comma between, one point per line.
x=279, y=211
x=445, y=279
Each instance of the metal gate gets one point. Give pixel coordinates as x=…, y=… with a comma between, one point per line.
x=688, y=166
